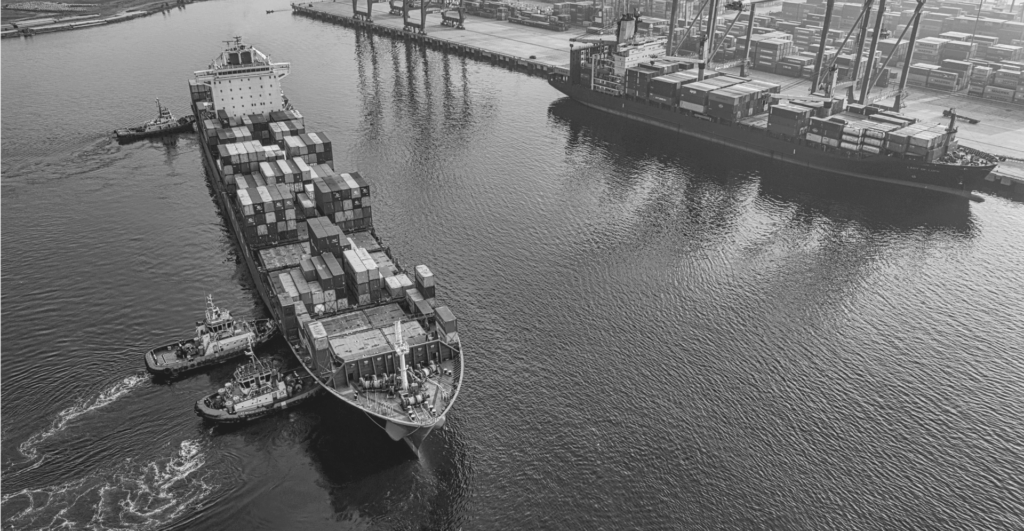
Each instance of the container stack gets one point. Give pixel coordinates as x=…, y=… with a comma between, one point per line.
x=940, y=79
x=729, y=104
x=268, y=214
x=362, y=277
x=317, y=344
x=233, y=135
x=284, y=171
x=447, y=327
x=279, y=130
x=344, y=198
x=198, y=91
x=853, y=137
x=694, y=96
x=425, y=282
x=789, y=120
x=257, y=124
x=1003, y=52
x=286, y=116
x=929, y=50
x=825, y=131
x=314, y=148
x=665, y=89
x=793, y=65
x=893, y=48
x=919, y=73
x=325, y=237
x=245, y=157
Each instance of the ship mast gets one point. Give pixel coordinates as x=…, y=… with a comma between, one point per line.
x=402, y=348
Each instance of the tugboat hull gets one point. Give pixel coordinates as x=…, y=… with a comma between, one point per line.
x=184, y=125
x=158, y=366
x=204, y=407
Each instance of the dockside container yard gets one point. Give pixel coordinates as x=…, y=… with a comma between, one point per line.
x=372, y=335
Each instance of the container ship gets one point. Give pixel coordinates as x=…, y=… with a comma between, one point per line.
x=633, y=79
x=370, y=333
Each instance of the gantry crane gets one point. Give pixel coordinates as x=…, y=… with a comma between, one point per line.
x=823, y=79
x=452, y=13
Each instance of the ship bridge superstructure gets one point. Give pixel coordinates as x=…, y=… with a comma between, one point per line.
x=244, y=80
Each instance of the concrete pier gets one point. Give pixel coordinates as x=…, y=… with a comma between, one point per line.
x=533, y=50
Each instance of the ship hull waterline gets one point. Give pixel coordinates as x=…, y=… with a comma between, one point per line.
x=942, y=178
x=414, y=434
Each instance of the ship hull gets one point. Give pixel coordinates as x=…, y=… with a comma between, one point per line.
x=944, y=178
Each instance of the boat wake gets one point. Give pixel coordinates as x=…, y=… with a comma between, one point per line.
x=30, y=448
x=131, y=496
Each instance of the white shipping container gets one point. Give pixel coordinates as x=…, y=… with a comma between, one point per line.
x=424, y=276
x=330, y=295
x=317, y=292
x=413, y=296
x=814, y=138
x=265, y=194
x=289, y=286
x=372, y=271
x=405, y=281
x=691, y=106
x=394, y=287
x=271, y=216
x=245, y=202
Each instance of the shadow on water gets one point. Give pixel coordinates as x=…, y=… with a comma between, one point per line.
x=371, y=479
x=716, y=174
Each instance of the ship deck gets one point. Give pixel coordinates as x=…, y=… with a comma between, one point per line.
x=440, y=388
x=164, y=356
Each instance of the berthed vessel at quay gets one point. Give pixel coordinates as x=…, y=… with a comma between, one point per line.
x=632, y=78
x=370, y=333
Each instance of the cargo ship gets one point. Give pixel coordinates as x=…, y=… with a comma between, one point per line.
x=371, y=334
x=632, y=78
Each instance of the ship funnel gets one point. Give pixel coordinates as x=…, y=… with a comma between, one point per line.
x=627, y=29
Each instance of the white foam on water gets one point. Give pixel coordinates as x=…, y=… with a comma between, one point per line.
x=29, y=448
x=131, y=496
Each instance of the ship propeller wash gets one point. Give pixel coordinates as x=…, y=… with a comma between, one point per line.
x=306, y=234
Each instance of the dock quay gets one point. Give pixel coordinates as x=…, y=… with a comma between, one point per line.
x=531, y=50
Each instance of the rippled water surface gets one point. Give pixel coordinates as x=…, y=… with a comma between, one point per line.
x=659, y=335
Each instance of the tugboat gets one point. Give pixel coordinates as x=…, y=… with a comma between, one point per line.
x=257, y=389
x=163, y=124
x=218, y=338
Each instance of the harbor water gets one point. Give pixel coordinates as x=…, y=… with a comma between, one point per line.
x=658, y=334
